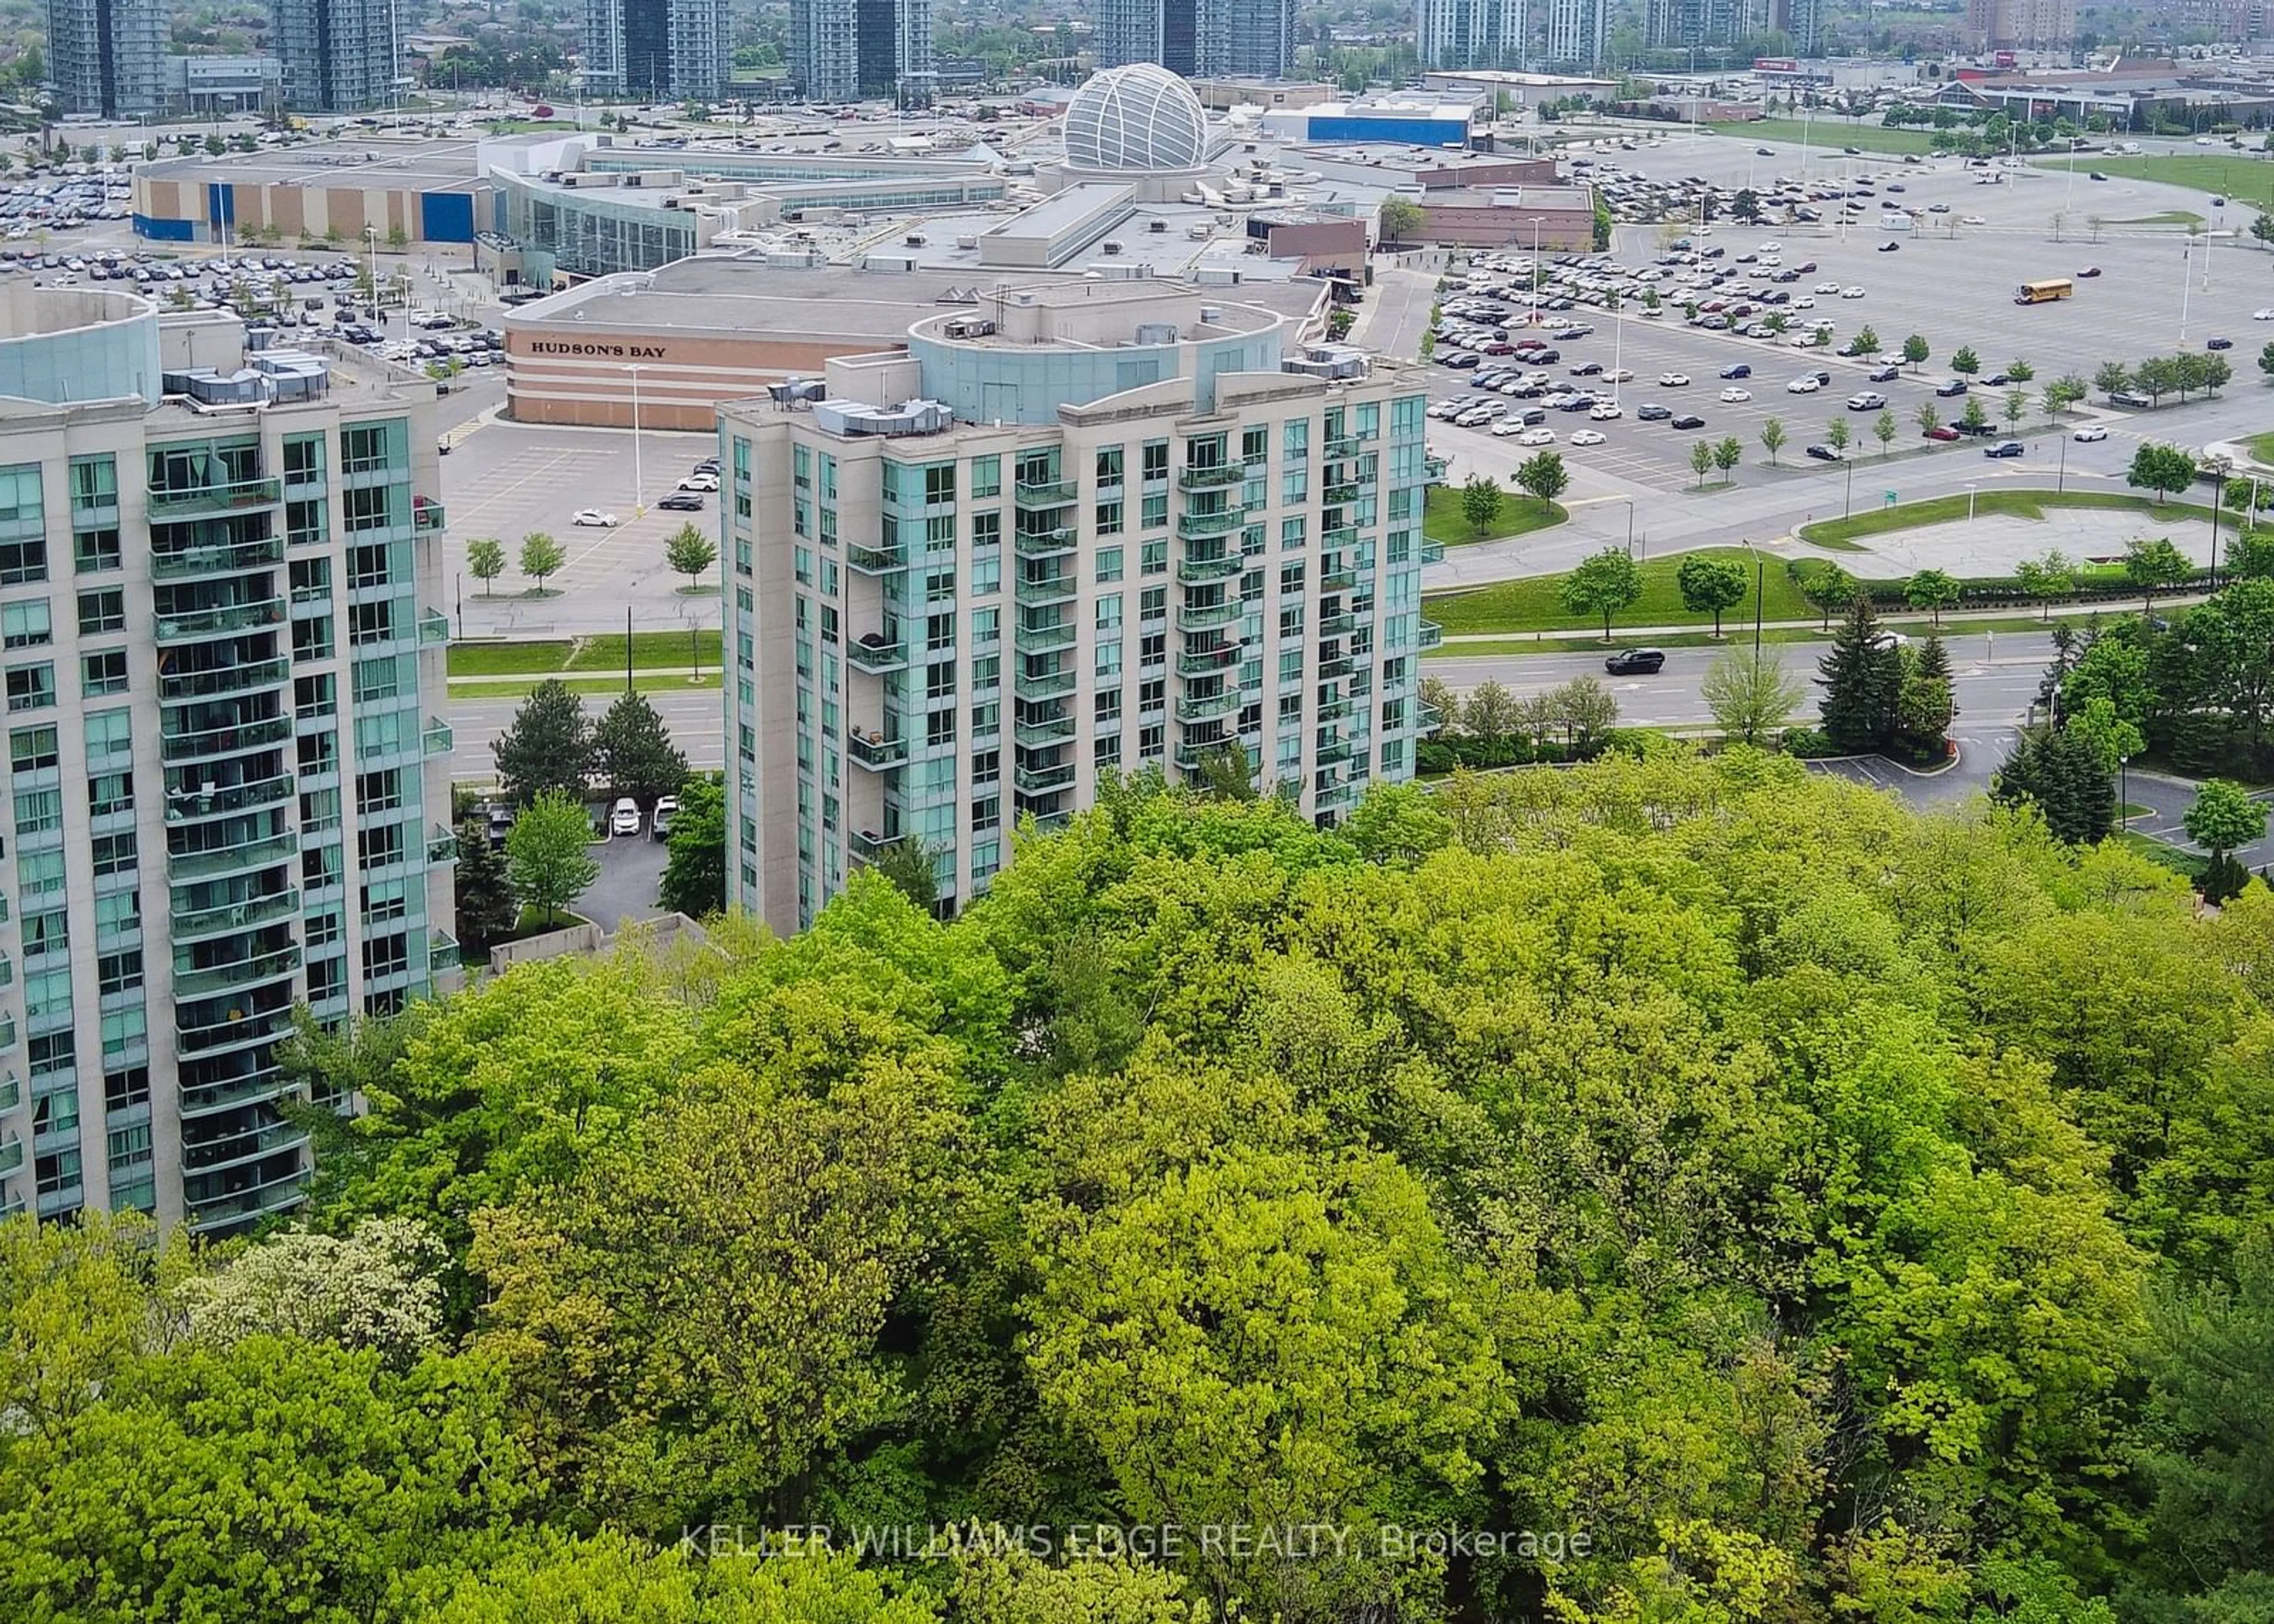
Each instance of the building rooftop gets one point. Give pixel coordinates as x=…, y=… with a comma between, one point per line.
x=357, y=159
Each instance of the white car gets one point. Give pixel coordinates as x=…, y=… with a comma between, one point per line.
x=1733, y=394
x=1536, y=437
x=1869, y=400
x=1771, y=247
x=1972, y=219
x=1673, y=380
x=625, y=819
x=1606, y=411
x=1851, y=293
x=2091, y=432
x=1507, y=426
x=595, y=518
x=699, y=482
x=1802, y=385
x=2262, y=315
x=1806, y=301
x=1619, y=374
x=1587, y=437
x=1827, y=287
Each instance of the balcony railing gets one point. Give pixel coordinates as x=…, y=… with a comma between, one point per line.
x=1338, y=581
x=1334, y=710
x=1208, y=617
x=12, y=1155
x=1206, y=707
x=225, y=680
x=166, y=505
x=1043, y=543
x=878, y=754
x=235, y=915
x=1427, y=720
x=11, y=1091
x=1192, y=752
x=249, y=1146
x=1044, y=735
x=1340, y=624
x=1335, y=750
x=1042, y=685
x=1044, y=493
x=232, y=1031
x=1042, y=780
x=1196, y=572
x=877, y=657
x=189, y=563
x=1432, y=634
x=868, y=846
x=213, y=623
x=1201, y=662
x=426, y=513
x=177, y=748
x=434, y=628
x=875, y=560
x=442, y=955
x=203, y=983
x=183, y=804
x=1057, y=590
x=7, y=1032
x=1191, y=525
x=251, y=1204
x=435, y=738
x=1209, y=478
x=230, y=859
x=1043, y=639
x=1340, y=536
x=238, y=1091
x=1051, y=822
x=1433, y=551
x=441, y=844
x=1349, y=445
x=1341, y=490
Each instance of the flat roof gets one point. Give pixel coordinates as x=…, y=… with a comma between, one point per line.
x=1574, y=197
x=1069, y=208
x=355, y=160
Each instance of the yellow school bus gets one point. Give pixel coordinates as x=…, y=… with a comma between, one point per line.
x=2043, y=292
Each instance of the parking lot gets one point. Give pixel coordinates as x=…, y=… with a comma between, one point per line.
x=504, y=480
x=1951, y=282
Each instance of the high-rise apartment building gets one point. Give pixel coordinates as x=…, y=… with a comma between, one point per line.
x=1576, y=30
x=108, y=56
x=850, y=50
x=660, y=49
x=1253, y=39
x=228, y=791
x=1089, y=526
x=1469, y=33
x=2021, y=24
x=339, y=55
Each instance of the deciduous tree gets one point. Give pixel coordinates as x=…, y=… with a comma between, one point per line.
x=547, y=853
x=1751, y=696
x=1711, y=585
x=1602, y=585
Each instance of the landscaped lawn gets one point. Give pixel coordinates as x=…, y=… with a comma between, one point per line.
x=599, y=655
x=1530, y=605
x=1734, y=630
x=1442, y=520
x=2017, y=504
x=1832, y=134
x=2246, y=177
x=2262, y=446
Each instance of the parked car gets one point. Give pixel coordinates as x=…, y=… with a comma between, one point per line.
x=1651, y=411
x=1739, y=371
x=1943, y=432
x=625, y=819
x=1868, y=400
x=699, y=482
x=659, y=825
x=2091, y=432
x=1587, y=437
x=1824, y=453
x=2004, y=448
x=1734, y=394
x=2219, y=343
x=1688, y=420
x=1889, y=247
x=595, y=518
x=1802, y=385
x=1886, y=374
x=682, y=502
x=1636, y=663
x=2089, y=271
x=1951, y=390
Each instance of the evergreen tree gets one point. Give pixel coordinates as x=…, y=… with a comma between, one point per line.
x=547, y=747
x=1861, y=678
x=634, y=751
x=487, y=909
x=2061, y=774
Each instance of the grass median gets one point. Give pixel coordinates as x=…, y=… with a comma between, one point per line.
x=1534, y=604
x=566, y=656
x=2231, y=175
x=1832, y=134
x=1442, y=520
x=1732, y=632
x=2012, y=504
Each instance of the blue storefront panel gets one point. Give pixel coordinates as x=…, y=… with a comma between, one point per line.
x=447, y=216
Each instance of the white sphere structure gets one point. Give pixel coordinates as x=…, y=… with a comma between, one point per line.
x=1138, y=118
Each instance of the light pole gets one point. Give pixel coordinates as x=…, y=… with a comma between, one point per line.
x=370, y=261
x=1631, y=535
x=2060, y=479
x=639, y=485
x=1969, y=506
x=1760, y=589
x=1535, y=270
x=1847, y=502
x=2123, y=790
x=2187, y=264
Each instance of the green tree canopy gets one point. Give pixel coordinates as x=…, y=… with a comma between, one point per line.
x=548, y=746
x=1602, y=585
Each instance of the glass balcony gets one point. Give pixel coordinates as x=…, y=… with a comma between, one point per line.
x=873, y=655
x=1051, y=822
x=12, y=1155
x=1044, y=735
x=1428, y=719
x=1208, y=617
x=11, y=1091
x=1341, y=490
x=182, y=805
x=442, y=954
x=1341, y=536
x=192, y=923
x=1206, y=707
x=232, y=1031
x=1199, y=572
x=1191, y=525
x=177, y=748
x=1209, y=478
x=1341, y=625
x=427, y=514
x=1336, y=666
x=441, y=846
x=1335, y=750
x=1432, y=634
x=238, y=1091
x=249, y=1146
x=225, y=680
x=189, y=563
x=875, y=560
x=167, y=506
x=1338, y=581
x=1043, y=639
x=435, y=740
x=877, y=753
x=7, y=1032
x=214, y=623
x=1433, y=551
x=868, y=846
x=230, y=859
x=273, y=1198
x=1043, y=543
x=242, y=972
x=1334, y=710
x=1057, y=590
x=1192, y=752
x=1042, y=780
x=1201, y=662
x=1347, y=446
x=1042, y=685
x=434, y=628
x=1044, y=493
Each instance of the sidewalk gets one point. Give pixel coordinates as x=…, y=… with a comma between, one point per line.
x=1952, y=619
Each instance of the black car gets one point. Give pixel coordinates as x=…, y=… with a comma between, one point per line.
x=1886, y=374
x=682, y=501
x=1636, y=663
x=1588, y=369
x=1688, y=420
x=1824, y=454
x=1889, y=247
x=2220, y=344
x=1739, y=371
x=1996, y=381
x=1952, y=390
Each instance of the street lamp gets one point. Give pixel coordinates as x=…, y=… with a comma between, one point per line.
x=2123, y=790
x=1969, y=504
x=1760, y=589
x=639, y=485
x=1848, y=502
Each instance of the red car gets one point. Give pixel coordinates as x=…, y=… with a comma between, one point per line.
x=1942, y=431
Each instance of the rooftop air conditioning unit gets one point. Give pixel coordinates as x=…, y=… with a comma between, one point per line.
x=1113, y=247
